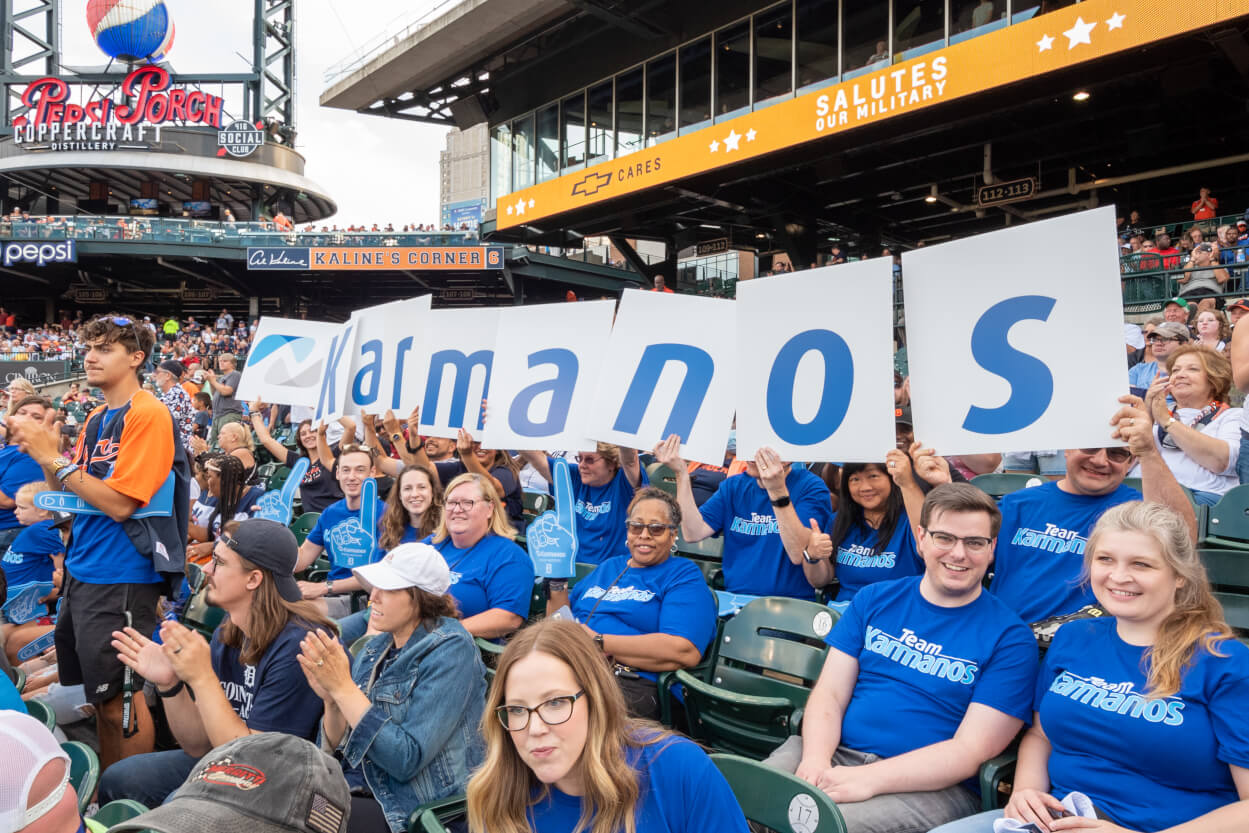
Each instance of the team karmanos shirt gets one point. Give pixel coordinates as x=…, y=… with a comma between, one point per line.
x=1040, y=549
x=922, y=665
x=601, y=513
x=1148, y=764
x=29, y=557
x=273, y=695
x=670, y=597
x=681, y=792
x=493, y=573
x=16, y=470
x=860, y=564
x=755, y=562
x=338, y=530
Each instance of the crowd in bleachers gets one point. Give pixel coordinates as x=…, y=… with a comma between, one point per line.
x=874, y=637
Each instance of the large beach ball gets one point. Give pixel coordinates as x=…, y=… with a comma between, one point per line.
x=131, y=30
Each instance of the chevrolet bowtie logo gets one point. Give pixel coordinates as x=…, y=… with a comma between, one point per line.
x=591, y=184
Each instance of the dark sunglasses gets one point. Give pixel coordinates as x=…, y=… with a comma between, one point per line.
x=1117, y=454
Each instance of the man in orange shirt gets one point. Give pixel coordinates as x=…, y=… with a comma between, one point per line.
x=659, y=285
x=1206, y=207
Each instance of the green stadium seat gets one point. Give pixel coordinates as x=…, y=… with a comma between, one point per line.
x=265, y=472
x=200, y=615
x=18, y=677
x=537, y=602
x=1228, y=570
x=998, y=485
x=1227, y=522
x=42, y=712
x=278, y=478
x=432, y=816
x=302, y=525
x=358, y=645
x=778, y=800
x=116, y=812
x=84, y=771
x=662, y=477
x=535, y=503
x=763, y=667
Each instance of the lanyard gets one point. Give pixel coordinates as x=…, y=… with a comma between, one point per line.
x=614, y=582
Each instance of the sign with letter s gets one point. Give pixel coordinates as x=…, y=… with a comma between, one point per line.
x=813, y=363
x=1015, y=338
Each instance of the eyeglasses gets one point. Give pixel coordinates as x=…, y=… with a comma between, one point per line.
x=588, y=459
x=1118, y=454
x=1162, y=338
x=553, y=712
x=635, y=528
x=974, y=544
x=463, y=505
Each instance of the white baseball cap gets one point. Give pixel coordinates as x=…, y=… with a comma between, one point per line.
x=407, y=565
x=28, y=746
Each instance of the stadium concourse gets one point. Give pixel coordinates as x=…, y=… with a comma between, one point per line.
x=222, y=612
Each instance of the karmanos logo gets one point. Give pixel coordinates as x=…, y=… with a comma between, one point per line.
x=286, y=360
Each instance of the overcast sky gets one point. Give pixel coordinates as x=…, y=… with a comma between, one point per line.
x=377, y=169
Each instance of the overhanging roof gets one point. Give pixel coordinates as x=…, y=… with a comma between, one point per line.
x=426, y=55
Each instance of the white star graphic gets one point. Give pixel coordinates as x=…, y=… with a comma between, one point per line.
x=1115, y=22
x=1044, y=43
x=731, y=140
x=531, y=203
x=714, y=146
x=1079, y=33
x=509, y=211
x=520, y=206
x=750, y=135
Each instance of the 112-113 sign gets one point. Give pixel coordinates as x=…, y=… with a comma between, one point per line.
x=1011, y=191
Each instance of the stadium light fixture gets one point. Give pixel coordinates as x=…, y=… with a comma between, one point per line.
x=1082, y=95
x=932, y=194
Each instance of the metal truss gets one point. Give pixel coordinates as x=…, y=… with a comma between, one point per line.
x=32, y=44
x=273, y=96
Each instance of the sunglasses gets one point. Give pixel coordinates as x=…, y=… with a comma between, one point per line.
x=1117, y=454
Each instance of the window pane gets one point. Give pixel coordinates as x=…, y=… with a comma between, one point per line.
x=572, y=110
x=522, y=152
x=548, y=142
x=972, y=14
x=917, y=23
x=732, y=69
x=696, y=82
x=628, y=111
x=773, y=53
x=866, y=38
x=600, y=122
x=817, y=41
x=661, y=97
x=500, y=161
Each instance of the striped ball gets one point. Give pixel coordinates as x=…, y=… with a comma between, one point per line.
x=131, y=30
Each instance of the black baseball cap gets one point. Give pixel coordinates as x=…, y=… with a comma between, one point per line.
x=174, y=367
x=270, y=546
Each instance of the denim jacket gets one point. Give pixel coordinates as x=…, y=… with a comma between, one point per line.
x=419, y=740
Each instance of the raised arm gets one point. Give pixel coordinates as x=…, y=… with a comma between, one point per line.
x=538, y=459
x=1133, y=425
x=265, y=435
x=387, y=464
x=324, y=453
x=900, y=469
x=630, y=465
x=693, y=527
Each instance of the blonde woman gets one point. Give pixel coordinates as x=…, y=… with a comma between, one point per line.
x=235, y=439
x=562, y=754
x=491, y=577
x=1143, y=711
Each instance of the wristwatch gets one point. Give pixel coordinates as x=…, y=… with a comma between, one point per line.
x=807, y=558
x=58, y=464
x=781, y=502
x=598, y=640
x=62, y=472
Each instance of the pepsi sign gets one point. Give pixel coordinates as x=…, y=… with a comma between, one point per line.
x=40, y=253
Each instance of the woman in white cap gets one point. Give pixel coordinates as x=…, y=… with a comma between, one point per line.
x=404, y=718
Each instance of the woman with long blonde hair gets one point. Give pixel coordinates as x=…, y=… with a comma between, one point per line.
x=491, y=577
x=563, y=755
x=1143, y=711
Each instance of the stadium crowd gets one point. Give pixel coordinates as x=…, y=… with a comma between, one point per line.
x=341, y=617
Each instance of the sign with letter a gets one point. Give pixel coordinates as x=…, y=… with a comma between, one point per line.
x=1015, y=338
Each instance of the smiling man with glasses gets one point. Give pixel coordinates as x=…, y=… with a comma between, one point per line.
x=926, y=678
x=1166, y=338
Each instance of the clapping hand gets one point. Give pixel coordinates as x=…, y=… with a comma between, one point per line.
x=668, y=452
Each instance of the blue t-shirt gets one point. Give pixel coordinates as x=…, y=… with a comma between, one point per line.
x=30, y=555
x=859, y=564
x=1040, y=549
x=273, y=695
x=922, y=665
x=670, y=597
x=10, y=697
x=492, y=573
x=754, y=559
x=16, y=470
x=1147, y=764
x=338, y=529
x=1141, y=375
x=601, y=513
x=681, y=792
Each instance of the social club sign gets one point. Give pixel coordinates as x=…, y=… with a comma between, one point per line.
x=149, y=102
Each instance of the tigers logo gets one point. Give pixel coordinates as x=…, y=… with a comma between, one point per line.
x=226, y=773
x=105, y=449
